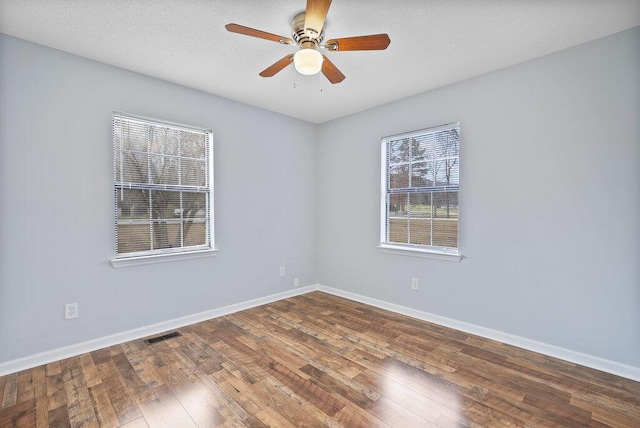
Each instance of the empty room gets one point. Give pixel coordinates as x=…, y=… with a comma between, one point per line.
x=303, y=213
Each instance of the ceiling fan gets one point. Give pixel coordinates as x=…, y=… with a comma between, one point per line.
x=308, y=35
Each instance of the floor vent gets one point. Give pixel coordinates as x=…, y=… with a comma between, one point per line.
x=162, y=338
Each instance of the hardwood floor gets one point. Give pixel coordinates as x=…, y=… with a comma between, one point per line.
x=316, y=360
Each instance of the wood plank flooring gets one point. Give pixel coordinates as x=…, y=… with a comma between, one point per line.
x=316, y=360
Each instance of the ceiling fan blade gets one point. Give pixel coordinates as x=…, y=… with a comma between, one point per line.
x=247, y=31
x=374, y=42
x=315, y=15
x=278, y=66
x=330, y=71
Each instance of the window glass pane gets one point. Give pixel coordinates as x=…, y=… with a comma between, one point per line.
x=164, y=170
x=446, y=172
x=399, y=176
x=445, y=144
x=445, y=226
x=166, y=234
x=164, y=204
x=420, y=149
x=397, y=230
x=422, y=174
x=194, y=145
x=133, y=204
x=131, y=167
x=399, y=151
x=134, y=237
x=445, y=232
x=420, y=206
x=420, y=231
x=195, y=232
x=194, y=172
x=397, y=206
x=194, y=205
x=131, y=135
x=164, y=140
x=420, y=223
x=166, y=229
x=446, y=204
x=133, y=221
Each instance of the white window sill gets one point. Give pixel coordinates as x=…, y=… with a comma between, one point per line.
x=161, y=258
x=419, y=252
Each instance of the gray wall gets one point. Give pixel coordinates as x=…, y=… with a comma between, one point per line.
x=549, y=201
x=550, y=206
x=56, y=203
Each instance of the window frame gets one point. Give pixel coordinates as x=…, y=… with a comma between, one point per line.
x=166, y=254
x=419, y=250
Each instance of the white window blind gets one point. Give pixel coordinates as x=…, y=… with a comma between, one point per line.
x=162, y=187
x=421, y=181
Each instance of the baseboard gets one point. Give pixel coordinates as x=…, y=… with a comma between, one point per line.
x=36, y=360
x=618, y=369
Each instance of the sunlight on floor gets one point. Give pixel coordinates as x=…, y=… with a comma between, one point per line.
x=431, y=400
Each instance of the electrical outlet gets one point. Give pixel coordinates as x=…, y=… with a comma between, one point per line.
x=70, y=311
x=415, y=284
x=281, y=270
x=296, y=282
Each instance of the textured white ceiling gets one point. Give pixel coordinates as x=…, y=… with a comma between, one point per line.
x=433, y=43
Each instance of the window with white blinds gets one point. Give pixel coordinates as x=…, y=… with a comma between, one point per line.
x=420, y=184
x=162, y=187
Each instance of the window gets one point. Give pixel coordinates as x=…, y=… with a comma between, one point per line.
x=420, y=183
x=162, y=188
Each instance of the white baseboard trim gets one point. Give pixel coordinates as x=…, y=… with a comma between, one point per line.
x=618, y=369
x=46, y=357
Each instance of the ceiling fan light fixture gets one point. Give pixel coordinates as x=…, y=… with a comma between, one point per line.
x=308, y=61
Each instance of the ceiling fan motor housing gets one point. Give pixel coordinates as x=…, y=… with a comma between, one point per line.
x=305, y=39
